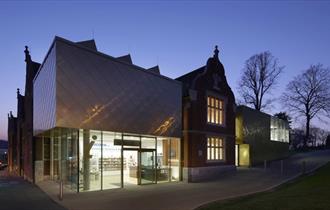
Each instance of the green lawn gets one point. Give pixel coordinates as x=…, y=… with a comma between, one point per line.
x=307, y=193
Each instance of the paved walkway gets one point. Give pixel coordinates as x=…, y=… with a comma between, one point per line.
x=187, y=196
x=17, y=194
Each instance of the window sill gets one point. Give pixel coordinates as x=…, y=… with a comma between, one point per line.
x=218, y=125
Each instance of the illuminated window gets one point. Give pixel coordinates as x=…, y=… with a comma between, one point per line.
x=215, y=148
x=215, y=111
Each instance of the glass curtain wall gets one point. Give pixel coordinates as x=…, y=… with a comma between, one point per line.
x=163, y=163
x=148, y=160
x=174, y=159
x=60, y=156
x=69, y=157
x=111, y=161
x=88, y=160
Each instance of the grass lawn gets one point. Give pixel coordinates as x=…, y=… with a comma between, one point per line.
x=307, y=193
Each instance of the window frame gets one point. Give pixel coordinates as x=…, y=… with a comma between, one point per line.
x=213, y=148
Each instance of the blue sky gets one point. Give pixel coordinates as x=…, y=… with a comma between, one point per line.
x=178, y=36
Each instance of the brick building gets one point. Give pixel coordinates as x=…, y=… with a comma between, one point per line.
x=20, y=128
x=208, y=122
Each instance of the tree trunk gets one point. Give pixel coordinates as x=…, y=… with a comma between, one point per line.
x=307, y=130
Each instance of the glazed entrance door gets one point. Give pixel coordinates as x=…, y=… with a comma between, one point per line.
x=147, y=166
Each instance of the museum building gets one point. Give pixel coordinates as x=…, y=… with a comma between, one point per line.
x=99, y=122
x=102, y=122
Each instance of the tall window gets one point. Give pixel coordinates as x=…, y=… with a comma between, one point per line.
x=215, y=148
x=215, y=111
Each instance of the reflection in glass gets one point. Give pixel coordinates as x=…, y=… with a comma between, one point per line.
x=175, y=159
x=130, y=167
x=148, y=142
x=148, y=175
x=111, y=161
x=88, y=160
x=89, y=156
x=163, y=169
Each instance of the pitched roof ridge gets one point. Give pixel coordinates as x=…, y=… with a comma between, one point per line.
x=57, y=38
x=126, y=58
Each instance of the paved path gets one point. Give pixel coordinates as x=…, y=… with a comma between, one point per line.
x=17, y=194
x=184, y=196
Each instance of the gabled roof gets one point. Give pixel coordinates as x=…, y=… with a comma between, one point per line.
x=155, y=69
x=88, y=43
x=189, y=76
x=126, y=58
x=84, y=46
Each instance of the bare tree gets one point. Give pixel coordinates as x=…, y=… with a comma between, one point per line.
x=284, y=116
x=308, y=95
x=259, y=76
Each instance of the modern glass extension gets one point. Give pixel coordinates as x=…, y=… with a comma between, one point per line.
x=87, y=160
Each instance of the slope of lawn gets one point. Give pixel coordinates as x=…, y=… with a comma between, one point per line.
x=307, y=193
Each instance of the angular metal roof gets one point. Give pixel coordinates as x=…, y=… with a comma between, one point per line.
x=97, y=91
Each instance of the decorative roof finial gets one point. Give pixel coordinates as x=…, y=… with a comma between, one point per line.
x=27, y=54
x=216, y=52
x=18, y=92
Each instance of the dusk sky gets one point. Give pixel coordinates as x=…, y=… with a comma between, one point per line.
x=178, y=36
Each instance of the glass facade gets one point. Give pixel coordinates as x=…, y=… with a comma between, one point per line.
x=88, y=160
x=279, y=130
x=60, y=156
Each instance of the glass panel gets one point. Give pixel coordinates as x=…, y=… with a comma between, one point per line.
x=221, y=154
x=212, y=102
x=46, y=156
x=163, y=169
x=130, y=172
x=64, y=141
x=90, y=155
x=175, y=159
x=217, y=116
x=148, y=142
x=221, y=117
x=68, y=160
x=56, y=147
x=147, y=167
x=111, y=161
